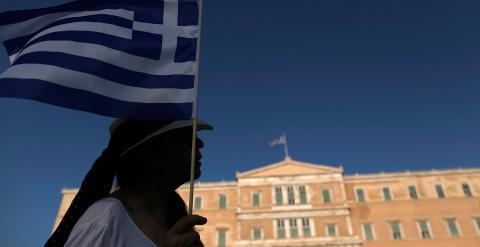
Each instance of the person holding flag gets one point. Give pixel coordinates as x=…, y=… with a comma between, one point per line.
x=136, y=60
x=150, y=160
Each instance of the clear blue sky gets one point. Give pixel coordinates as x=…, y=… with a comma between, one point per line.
x=370, y=85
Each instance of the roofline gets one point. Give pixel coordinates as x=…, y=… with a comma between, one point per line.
x=346, y=178
x=198, y=185
x=210, y=185
x=406, y=174
x=266, y=167
x=69, y=190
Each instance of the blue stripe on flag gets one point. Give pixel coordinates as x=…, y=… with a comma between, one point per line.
x=188, y=13
x=186, y=50
x=16, y=44
x=107, y=71
x=145, y=45
x=144, y=8
x=86, y=101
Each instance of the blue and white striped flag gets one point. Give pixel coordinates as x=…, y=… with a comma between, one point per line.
x=119, y=58
x=281, y=140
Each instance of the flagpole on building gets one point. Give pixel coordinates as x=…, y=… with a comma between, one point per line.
x=195, y=110
x=286, y=146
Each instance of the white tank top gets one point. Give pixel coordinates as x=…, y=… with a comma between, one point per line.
x=107, y=223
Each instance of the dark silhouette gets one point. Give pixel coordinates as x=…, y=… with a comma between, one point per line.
x=150, y=159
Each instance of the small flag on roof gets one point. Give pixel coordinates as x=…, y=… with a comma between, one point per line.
x=119, y=58
x=281, y=140
x=278, y=141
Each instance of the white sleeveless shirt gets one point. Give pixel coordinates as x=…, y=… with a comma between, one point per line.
x=107, y=223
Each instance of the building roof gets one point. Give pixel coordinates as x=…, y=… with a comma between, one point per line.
x=289, y=167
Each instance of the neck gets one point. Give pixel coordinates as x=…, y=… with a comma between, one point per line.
x=151, y=199
x=149, y=208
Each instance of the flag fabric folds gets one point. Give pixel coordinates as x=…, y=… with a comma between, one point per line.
x=119, y=58
x=281, y=140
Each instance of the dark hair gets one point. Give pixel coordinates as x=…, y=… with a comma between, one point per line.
x=97, y=184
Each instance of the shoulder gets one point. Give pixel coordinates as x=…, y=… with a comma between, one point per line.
x=98, y=224
x=102, y=213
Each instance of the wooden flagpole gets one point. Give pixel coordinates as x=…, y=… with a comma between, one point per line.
x=195, y=110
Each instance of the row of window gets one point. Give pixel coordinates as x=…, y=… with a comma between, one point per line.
x=412, y=192
x=299, y=195
x=222, y=202
x=304, y=227
x=423, y=226
x=293, y=196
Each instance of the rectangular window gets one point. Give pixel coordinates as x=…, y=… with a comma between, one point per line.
x=326, y=196
x=293, y=228
x=255, y=199
x=440, y=192
x=198, y=203
x=290, y=195
x=331, y=230
x=306, y=227
x=386, y=194
x=280, y=229
x=424, y=229
x=303, y=194
x=396, y=231
x=412, y=190
x=222, y=201
x=222, y=238
x=368, y=231
x=452, y=227
x=360, y=195
x=257, y=233
x=466, y=190
x=278, y=196
x=476, y=221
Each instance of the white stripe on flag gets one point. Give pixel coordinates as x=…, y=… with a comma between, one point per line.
x=98, y=27
x=95, y=84
x=30, y=26
x=109, y=29
x=12, y=58
x=181, y=31
x=114, y=57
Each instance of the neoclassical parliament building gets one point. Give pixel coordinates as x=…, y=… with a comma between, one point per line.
x=293, y=203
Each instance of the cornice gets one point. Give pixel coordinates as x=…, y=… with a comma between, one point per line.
x=411, y=174
x=210, y=185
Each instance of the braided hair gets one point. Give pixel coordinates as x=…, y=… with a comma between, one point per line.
x=97, y=184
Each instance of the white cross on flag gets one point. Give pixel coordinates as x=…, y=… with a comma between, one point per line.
x=120, y=58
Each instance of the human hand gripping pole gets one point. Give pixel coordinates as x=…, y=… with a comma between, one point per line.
x=182, y=234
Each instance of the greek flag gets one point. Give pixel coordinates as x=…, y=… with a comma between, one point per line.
x=281, y=140
x=119, y=58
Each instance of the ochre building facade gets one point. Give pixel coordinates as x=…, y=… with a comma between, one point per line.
x=292, y=203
